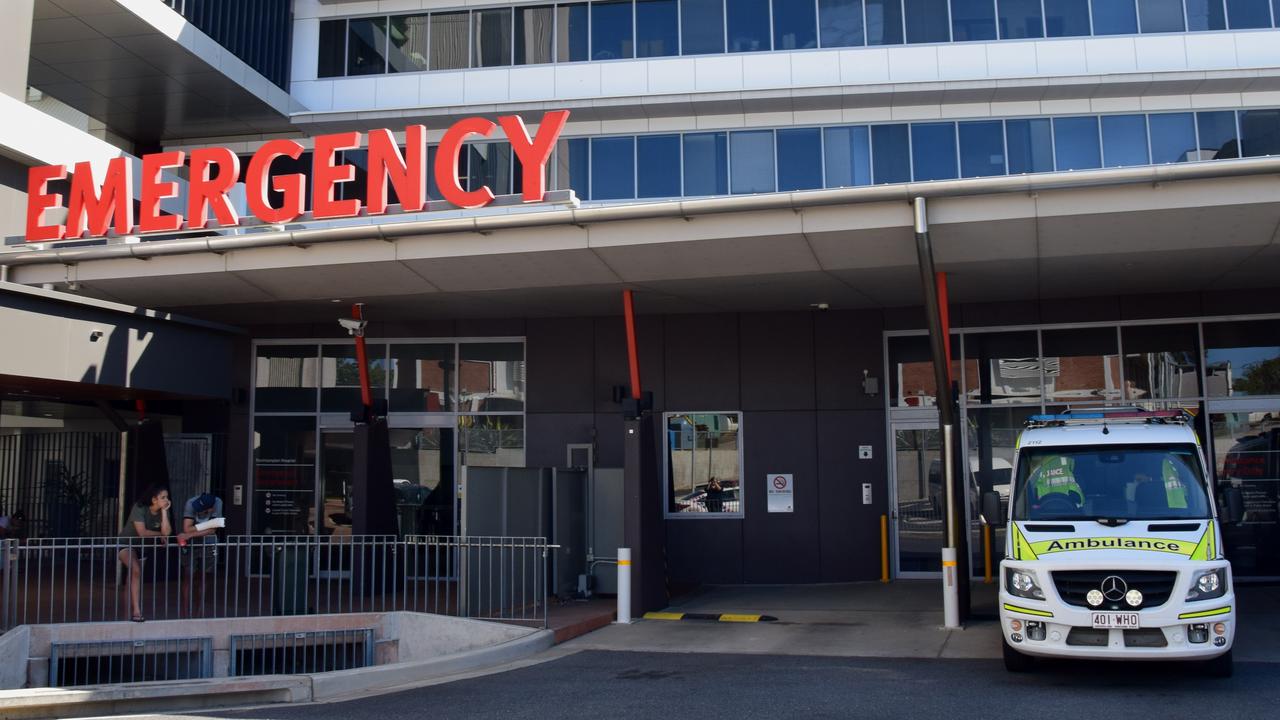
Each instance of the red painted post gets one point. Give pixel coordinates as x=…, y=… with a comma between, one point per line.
x=362, y=359
x=633, y=358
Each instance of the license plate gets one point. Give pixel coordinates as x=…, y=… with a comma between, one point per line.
x=1115, y=620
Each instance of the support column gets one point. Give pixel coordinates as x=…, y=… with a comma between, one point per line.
x=15, y=48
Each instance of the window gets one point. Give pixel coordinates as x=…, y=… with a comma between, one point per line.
x=799, y=159
x=1081, y=365
x=926, y=21
x=491, y=440
x=573, y=166
x=847, y=156
x=702, y=26
x=891, y=154
x=449, y=40
x=1114, y=18
x=911, y=378
x=884, y=22
x=1242, y=358
x=1259, y=132
x=611, y=30
x=340, y=375
x=748, y=23
x=840, y=23
x=285, y=378
x=1030, y=145
x=1173, y=137
x=423, y=378
x=357, y=187
x=489, y=165
x=571, y=32
x=658, y=172
x=1066, y=18
x=1161, y=362
x=705, y=164
x=284, y=471
x=1217, y=135
x=491, y=377
x=933, y=151
x=613, y=168
x=973, y=20
x=795, y=25
x=1161, y=15
x=1021, y=19
x=1124, y=140
x=1243, y=14
x=491, y=46
x=408, y=51
x=366, y=45
x=332, y=59
x=751, y=162
x=1001, y=368
x=533, y=31
x=1206, y=15
x=981, y=148
x=704, y=464
x=1075, y=142
x=657, y=28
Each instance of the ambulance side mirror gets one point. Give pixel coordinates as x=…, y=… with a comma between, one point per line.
x=991, y=511
x=1232, y=510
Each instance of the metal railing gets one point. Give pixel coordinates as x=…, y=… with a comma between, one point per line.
x=69, y=580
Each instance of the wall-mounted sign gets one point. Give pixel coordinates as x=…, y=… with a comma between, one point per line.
x=781, y=492
x=97, y=207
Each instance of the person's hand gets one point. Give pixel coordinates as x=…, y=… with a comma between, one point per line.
x=183, y=537
x=164, y=504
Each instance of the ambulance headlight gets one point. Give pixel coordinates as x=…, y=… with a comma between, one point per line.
x=1208, y=584
x=1023, y=583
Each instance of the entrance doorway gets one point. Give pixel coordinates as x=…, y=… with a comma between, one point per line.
x=917, y=499
x=1246, y=454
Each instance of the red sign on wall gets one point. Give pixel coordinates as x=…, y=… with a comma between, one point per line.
x=96, y=206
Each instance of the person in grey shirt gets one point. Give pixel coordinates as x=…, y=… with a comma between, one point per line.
x=199, y=549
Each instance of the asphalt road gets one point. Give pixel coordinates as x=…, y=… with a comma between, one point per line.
x=610, y=685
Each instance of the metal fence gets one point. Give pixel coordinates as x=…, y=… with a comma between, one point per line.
x=68, y=580
x=128, y=661
x=292, y=653
x=63, y=483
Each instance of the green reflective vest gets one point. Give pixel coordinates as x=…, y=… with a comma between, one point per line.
x=1057, y=475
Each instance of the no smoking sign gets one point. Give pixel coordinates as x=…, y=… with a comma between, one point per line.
x=781, y=492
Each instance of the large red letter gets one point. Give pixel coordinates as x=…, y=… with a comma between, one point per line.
x=292, y=186
x=447, y=164
x=153, y=191
x=534, y=154
x=40, y=199
x=204, y=191
x=407, y=174
x=91, y=212
x=325, y=176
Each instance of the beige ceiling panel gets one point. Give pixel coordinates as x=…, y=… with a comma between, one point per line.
x=857, y=216
x=701, y=227
x=847, y=249
x=994, y=241
x=710, y=258
x=369, y=250
x=514, y=270
x=1138, y=272
x=168, y=291
x=1160, y=231
x=338, y=281
x=501, y=242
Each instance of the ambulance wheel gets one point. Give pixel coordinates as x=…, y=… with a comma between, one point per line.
x=1016, y=662
x=1220, y=667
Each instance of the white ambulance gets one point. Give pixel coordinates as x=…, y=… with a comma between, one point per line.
x=1113, y=545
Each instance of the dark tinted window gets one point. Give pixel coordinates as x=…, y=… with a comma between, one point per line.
x=1124, y=140
x=1114, y=17
x=926, y=21
x=884, y=22
x=1066, y=18
x=1020, y=19
x=706, y=164
x=611, y=36
x=332, y=61
x=973, y=20
x=571, y=32
x=1260, y=132
x=799, y=159
x=490, y=166
x=751, y=165
x=1173, y=137
x=1248, y=14
x=491, y=46
x=1030, y=145
x=657, y=28
x=366, y=46
x=658, y=169
x=613, y=168
x=573, y=166
x=1217, y=135
x=890, y=154
x=981, y=148
x=1161, y=361
x=748, y=23
x=847, y=155
x=1241, y=358
x=1205, y=15
x=533, y=31
x=1075, y=143
x=795, y=25
x=1161, y=15
x=933, y=151
x=408, y=51
x=702, y=26
x=840, y=23
x=449, y=40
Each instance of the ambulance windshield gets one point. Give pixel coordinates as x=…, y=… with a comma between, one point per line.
x=1114, y=482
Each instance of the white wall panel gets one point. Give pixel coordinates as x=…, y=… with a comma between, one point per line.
x=1011, y=59
x=537, y=82
x=718, y=73
x=1061, y=57
x=624, y=78
x=866, y=65
x=1110, y=55
x=396, y=91
x=486, y=86
x=766, y=70
x=440, y=88
x=354, y=94
x=961, y=62
x=815, y=69
x=306, y=49
x=1209, y=51
x=577, y=81
x=913, y=64
x=1161, y=53
x=671, y=75
x=1258, y=49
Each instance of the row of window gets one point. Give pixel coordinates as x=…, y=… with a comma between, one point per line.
x=623, y=29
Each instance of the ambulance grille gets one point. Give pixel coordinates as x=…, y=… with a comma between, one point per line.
x=1155, y=585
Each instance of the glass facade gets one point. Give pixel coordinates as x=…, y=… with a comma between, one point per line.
x=620, y=29
x=703, y=465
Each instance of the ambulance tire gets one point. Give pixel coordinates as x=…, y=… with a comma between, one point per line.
x=1220, y=667
x=1016, y=662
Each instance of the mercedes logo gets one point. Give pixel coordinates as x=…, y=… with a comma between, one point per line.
x=1114, y=588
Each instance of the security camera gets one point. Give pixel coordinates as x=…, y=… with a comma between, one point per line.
x=353, y=327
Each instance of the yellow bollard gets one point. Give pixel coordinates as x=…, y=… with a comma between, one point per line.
x=884, y=548
x=986, y=552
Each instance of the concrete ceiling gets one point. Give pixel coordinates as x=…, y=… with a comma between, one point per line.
x=1189, y=236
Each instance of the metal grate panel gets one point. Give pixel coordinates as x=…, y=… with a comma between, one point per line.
x=130, y=661
x=291, y=653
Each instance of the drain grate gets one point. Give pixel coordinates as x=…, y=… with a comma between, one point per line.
x=129, y=661
x=290, y=653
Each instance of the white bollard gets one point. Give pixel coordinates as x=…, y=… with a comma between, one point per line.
x=624, y=586
x=950, y=591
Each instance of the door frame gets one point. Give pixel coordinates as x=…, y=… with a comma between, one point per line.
x=1242, y=404
x=921, y=419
